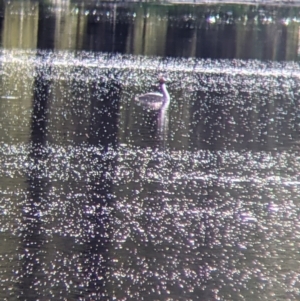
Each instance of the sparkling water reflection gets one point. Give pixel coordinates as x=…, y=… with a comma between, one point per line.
x=95, y=207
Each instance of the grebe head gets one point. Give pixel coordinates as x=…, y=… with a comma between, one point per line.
x=162, y=80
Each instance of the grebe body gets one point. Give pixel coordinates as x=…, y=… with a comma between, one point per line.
x=155, y=101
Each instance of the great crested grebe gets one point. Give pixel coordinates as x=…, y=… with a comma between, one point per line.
x=155, y=101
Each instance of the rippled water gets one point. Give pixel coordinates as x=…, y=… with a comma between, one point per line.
x=97, y=205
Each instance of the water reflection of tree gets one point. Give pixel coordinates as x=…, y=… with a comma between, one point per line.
x=33, y=237
x=105, y=96
x=111, y=35
x=240, y=31
x=45, y=33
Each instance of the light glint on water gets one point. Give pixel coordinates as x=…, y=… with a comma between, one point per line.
x=94, y=205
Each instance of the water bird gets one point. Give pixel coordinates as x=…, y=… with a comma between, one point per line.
x=154, y=100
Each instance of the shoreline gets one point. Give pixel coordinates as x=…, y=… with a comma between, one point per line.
x=287, y=3
x=247, y=2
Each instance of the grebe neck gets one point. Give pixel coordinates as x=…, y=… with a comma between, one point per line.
x=165, y=92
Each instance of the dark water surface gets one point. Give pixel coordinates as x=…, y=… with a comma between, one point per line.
x=100, y=202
